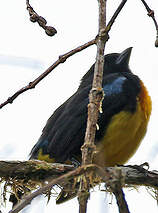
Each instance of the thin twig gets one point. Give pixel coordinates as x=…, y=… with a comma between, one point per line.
x=32, y=84
x=34, y=17
x=113, y=18
x=151, y=14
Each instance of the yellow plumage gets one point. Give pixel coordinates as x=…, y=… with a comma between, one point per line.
x=125, y=132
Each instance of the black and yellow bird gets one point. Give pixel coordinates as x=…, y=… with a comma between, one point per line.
x=122, y=124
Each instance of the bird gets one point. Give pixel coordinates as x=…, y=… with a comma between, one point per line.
x=122, y=124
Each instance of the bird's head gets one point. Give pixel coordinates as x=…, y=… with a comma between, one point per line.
x=113, y=63
x=117, y=62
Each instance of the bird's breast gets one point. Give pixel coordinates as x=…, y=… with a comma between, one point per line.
x=125, y=132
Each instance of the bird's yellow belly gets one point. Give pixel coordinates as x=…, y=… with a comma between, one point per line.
x=122, y=138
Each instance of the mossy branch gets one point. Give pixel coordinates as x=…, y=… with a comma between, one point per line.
x=43, y=176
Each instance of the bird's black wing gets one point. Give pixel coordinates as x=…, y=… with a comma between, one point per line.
x=42, y=142
x=64, y=132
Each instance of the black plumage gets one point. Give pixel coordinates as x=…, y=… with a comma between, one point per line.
x=64, y=132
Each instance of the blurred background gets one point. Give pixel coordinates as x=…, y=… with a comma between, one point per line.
x=26, y=51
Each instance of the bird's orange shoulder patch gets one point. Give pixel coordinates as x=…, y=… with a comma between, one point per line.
x=145, y=101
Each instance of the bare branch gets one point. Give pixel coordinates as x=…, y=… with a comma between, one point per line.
x=113, y=18
x=151, y=14
x=34, y=17
x=95, y=99
x=97, y=81
x=32, y=84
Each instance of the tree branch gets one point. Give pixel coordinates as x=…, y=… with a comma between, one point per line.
x=28, y=171
x=32, y=169
x=95, y=98
x=120, y=198
x=32, y=84
x=113, y=18
x=151, y=14
x=34, y=17
x=19, y=170
x=116, y=187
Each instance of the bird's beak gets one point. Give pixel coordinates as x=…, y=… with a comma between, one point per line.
x=123, y=58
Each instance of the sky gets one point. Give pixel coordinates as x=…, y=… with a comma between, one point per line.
x=26, y=51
